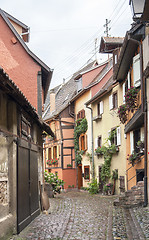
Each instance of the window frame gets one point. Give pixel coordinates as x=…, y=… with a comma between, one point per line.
x=87, y=174
x=84, y=137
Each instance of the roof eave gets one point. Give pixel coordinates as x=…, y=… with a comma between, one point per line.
x=127, y=52
x=40, y=62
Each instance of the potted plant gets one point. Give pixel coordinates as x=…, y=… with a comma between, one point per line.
x=112, y=149
x=114, y=176
x=132, y=157
x=131, y=99
x=69, y=165
x=52, y=179
x=52, y=161
x=140, y=146
x=122, y=113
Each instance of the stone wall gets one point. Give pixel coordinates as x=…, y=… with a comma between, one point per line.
x=3, y=191
x=133, y=197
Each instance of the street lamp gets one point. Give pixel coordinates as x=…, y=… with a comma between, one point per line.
x=137, y=7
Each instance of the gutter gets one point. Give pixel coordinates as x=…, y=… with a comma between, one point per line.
x=92, y=139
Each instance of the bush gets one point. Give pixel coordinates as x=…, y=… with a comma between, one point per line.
x=93, y=187
x=53, y=179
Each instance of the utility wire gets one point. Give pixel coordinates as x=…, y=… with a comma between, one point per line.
x=86, y=45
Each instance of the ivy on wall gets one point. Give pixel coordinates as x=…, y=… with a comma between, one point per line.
x=80, y=128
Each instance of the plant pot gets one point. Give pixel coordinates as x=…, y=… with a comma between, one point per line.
x=49, y=190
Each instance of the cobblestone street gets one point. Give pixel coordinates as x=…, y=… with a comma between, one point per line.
x=79, y=215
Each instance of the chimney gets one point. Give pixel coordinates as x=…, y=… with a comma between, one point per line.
x=52, y=100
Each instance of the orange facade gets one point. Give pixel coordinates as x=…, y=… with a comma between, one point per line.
x=61, y=149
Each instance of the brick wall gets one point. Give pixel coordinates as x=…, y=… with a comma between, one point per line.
x=20, y=67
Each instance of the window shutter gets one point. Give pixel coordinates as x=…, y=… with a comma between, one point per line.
x=47, y=151
x=57, y=151
x=96, y=143
x=111, y=101
x=80, y=143
x=136, y=70
x=52, y=152
x=128, y=77
x=85, y=139
x=123, y=92
x=131, y=142
x=109, y=142
x=82, y=113
x=142, y=134
x=118, y=136
x=101, y=107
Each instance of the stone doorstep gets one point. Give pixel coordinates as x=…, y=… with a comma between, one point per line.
x=128, y=193
x=141, y=183
x=4, y=210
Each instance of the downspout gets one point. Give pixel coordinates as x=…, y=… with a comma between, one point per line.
x=92, y=139
x=145, y=149
x=62, y=160
x=144, y=110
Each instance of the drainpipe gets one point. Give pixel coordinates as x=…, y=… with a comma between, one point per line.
x=92, y=139
x=145, y=150
x=144, y=109
x=144, y=106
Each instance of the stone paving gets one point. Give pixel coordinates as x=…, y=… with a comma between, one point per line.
x=81, y=216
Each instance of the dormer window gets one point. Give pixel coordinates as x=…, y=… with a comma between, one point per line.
x=79, y=84
x=100, y=108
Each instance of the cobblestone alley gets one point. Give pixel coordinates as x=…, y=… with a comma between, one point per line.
x=79, y=215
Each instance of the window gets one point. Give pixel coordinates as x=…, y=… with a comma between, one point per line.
x=136, y=134
x=26, y=130
x=115, y=59
x=81, y=114
x=100, y=108
x=54, y=152
x=115, y=104
x=115, y=136
x=83, y=142
x=113, y=101
x=49, y=153
x=79, y=84
x=99, y=141
x=126, y=85
x=134, y=138
x=87, y=172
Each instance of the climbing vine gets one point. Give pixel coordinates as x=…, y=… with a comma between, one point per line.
x=80, y=128
x=107, y=152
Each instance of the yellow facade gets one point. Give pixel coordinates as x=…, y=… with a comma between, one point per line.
x=79, y=105
x=101, y=127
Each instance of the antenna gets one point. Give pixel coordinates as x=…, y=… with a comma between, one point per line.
x=107, y=27
x=95, y=49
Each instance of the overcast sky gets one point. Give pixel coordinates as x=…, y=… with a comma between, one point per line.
x=63, y=32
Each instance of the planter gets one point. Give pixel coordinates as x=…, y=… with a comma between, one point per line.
x=49, y=190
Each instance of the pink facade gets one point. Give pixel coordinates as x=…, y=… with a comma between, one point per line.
x=18, y=64
x=98, y=86
x=89, y=76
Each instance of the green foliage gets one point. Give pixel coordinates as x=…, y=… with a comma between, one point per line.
x=114, y=175
x=130, y=104
x=81, y=127
x=107, y=152
x=107, y=187
x=89, y=155
x=93, y=187
x=53, y=179
x=84, y=188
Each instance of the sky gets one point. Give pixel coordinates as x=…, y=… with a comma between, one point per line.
x=66, y=34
